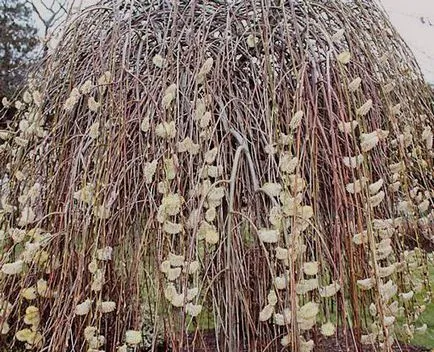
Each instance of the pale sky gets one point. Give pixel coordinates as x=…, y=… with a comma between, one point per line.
x=414, y=20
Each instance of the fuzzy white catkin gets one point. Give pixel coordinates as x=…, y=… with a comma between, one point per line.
x=133, y=337
x=107, y=306
x=268, y=235
x=83, y=308
x=13, y=268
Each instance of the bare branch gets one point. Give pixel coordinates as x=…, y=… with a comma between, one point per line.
x=55, y=10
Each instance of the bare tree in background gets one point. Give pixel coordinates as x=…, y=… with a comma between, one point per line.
x=49, y=12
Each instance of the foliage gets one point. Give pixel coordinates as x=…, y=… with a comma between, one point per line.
x=267, y=164
x=17, y=42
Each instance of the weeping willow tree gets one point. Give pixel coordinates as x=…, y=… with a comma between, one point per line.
x=259, y=169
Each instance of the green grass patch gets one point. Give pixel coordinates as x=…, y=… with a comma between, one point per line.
x=426, y=339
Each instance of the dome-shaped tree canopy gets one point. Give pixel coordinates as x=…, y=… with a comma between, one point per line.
x=261, y=168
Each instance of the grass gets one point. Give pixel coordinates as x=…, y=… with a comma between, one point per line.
x=427, y=317
x=426, y=339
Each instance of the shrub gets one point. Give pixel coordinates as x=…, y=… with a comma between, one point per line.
x=262, y=165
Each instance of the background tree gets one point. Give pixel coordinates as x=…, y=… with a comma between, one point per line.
x=17, y=43
x=49, y=13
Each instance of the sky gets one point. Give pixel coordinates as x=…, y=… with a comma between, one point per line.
x=414, y=20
